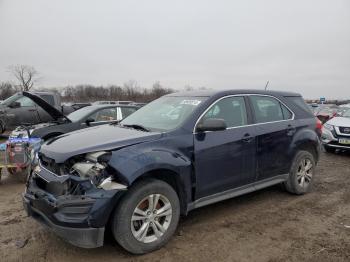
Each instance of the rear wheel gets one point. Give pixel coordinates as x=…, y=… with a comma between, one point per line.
x=301, y=174
x=147, y=216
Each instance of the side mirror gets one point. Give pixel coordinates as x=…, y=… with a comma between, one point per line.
x=89, y=121
x=211, y=124
x=15, y=104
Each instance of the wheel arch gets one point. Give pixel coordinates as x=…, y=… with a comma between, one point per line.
x=307, y=140
x=170, y=177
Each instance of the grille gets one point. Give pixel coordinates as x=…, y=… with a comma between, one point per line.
x=344, y=130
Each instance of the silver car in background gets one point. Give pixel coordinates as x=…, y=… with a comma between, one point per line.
x=336, y=133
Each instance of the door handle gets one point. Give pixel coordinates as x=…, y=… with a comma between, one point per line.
x=291, y=130
x=247, y=138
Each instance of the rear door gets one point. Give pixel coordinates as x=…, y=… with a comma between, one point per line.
x=274, y=130
x=225, y=159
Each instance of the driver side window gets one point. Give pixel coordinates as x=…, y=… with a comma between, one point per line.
x=231, y=109
x=108, y=114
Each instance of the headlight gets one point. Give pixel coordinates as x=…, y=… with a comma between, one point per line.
x=92, y=167
x=328, y=127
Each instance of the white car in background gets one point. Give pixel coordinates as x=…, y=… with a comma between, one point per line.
x=336, y=133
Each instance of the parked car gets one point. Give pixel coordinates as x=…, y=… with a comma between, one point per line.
x=20, y=109
x=342, y=109
x=336, y=133
x=77, y=106
x=326, y=112
x=140, y=175
x=112, y=102
x=85, y=117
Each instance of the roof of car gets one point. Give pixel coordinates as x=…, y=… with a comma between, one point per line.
x=110, y=105
x=233, y=92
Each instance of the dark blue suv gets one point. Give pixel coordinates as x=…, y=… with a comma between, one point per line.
x=178, y=153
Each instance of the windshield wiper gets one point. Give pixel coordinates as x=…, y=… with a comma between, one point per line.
x=139, y=127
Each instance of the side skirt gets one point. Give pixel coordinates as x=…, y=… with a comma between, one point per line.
x=204, y=201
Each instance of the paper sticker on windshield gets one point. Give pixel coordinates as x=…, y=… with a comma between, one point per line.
x=191, y=102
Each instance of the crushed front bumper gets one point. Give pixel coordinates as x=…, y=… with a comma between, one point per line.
x=82, y=237
x=78, y=219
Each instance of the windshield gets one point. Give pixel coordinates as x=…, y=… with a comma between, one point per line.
x=11, y=99
x=165, y=113
x=80, y=113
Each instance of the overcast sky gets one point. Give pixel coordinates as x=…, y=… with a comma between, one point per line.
x=298, y=45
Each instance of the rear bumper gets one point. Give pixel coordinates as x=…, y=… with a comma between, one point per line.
x=82, y=237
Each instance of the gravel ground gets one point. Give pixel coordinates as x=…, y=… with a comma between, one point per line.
x=268, y=225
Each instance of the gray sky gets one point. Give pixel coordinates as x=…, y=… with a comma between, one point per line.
x=299, y=45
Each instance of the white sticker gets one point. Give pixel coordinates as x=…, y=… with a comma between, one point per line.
x=191, y=102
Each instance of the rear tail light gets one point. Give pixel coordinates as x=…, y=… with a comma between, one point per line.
x=319, y=126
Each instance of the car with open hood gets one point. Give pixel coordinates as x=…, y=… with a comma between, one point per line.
x=31, y=108
x=336, y=133
x=87, y=116
x=177, y=153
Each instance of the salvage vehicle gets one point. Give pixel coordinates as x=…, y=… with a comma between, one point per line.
x=136, y=178
x=82, y=118
x=336, y=133
x=21, y=109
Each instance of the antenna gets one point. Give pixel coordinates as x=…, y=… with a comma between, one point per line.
x=267, y=83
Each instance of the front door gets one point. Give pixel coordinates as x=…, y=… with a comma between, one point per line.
x=25, y=113
x=225, y=159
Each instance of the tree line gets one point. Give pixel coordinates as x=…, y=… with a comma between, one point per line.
x=129, y=91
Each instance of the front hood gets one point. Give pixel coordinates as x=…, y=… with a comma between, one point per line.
x=52, y=111
x=339, y=121
x=105, y=137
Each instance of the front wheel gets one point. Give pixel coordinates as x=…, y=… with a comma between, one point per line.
x=301, y=174
x=147, y=216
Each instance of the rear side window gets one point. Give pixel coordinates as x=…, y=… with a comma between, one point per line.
x=230, y=109
x=268, y=109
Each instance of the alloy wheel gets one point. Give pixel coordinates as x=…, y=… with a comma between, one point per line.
x=151, y=218
x=305, y=172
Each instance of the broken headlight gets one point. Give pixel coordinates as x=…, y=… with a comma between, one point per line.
x=93, y=167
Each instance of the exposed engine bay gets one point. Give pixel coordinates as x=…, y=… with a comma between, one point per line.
x=86, y=172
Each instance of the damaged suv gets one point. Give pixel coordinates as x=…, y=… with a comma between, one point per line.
x=180, y=152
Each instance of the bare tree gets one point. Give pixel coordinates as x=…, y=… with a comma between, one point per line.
x=6, y=90
x=26, y=76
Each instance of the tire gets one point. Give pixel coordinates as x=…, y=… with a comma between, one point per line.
x=301, y=174
x=125, y=231
x=329, y=149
